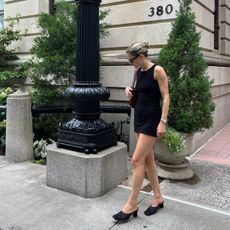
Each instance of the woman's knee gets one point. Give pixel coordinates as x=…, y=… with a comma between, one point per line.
x=137, y=161
x=149, y=158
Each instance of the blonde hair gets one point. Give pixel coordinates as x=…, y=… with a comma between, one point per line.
x=138, y=48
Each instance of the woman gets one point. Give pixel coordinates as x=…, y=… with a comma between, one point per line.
x=149, y=124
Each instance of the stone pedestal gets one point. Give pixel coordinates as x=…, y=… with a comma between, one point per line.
x=180, y=171
x=86, y=175
x=19, y=132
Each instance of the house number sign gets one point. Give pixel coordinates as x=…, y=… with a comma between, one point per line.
x=160, y=10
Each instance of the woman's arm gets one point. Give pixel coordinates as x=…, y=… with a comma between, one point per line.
x=162, y=79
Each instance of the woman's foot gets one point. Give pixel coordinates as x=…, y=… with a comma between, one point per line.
x=157, y=200
x=121, y=216
x=157, y=203
x=152, y=210
x=127, y=211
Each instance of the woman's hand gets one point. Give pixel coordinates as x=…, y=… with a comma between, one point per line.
x=128, y=92
x=161, y=129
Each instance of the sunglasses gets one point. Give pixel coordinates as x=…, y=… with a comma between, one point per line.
x=132, y=59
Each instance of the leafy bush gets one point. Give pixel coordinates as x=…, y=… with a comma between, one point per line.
x=2, y=134
x=8, y=71
x=174, y=140
x=40, y=151
x=46, y=125
x=54, y=53
x=4, y=93
x=191, y=103
x=39, y=148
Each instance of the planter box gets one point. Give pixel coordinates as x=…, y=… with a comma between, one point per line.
x=162, y=153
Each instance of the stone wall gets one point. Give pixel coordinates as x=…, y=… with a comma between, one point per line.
x=225, y=27
x=27, y=11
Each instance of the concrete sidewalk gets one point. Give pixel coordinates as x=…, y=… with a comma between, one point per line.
x=26, y=203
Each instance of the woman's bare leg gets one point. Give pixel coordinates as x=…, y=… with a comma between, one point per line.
x=144, y=145
x=151, y=170
x=153, y=178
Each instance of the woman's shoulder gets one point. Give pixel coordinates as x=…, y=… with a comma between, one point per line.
x=159, y=72
x=158, y=68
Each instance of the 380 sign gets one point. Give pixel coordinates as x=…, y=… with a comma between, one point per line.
x=160, y=10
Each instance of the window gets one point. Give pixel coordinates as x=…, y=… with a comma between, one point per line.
x=52, y=7
x=1, y=14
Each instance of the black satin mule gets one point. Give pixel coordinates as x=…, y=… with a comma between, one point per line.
x=121, y=216
x=152, y=210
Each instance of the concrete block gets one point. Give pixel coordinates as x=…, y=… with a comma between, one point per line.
x=86, y=175
x=24, y=45
x=225, y=14
x=14, y=8
x=19, y=132
x=114, y=76
x=137, y=33
x=203, y=16
x=209, y=4
x=206, y=39
x=140, y=11
x=225, y=47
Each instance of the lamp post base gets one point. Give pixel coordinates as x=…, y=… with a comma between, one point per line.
x=87, y=136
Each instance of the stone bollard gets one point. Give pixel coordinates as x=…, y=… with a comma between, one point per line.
x=19, y=134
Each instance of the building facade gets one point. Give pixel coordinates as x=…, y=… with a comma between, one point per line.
x=144, y=20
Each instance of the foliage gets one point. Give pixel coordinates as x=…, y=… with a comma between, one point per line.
x=54, y=53
x=2, y=134
x=46, y=125
x=7, y=36
x=191, y=103
x=174, y=140
x=9, y=71
x=4, y=93
x=40, y=151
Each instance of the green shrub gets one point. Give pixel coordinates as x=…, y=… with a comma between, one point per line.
x=174, y=140
x=9, y=72
x=46, y=125
x=2, y=134
x=4, y=93
x=40, y=151
x=39, y=148
x=191, y=105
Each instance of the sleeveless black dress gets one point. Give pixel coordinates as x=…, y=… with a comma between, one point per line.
x=147, y=112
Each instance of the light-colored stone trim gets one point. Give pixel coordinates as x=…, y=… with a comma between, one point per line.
x=22, y=17
x=13, y=1
x=118, y=2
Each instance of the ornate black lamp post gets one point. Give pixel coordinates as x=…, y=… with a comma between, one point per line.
x=87, y=131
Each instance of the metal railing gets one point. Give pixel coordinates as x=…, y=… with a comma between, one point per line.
x=37, y=110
